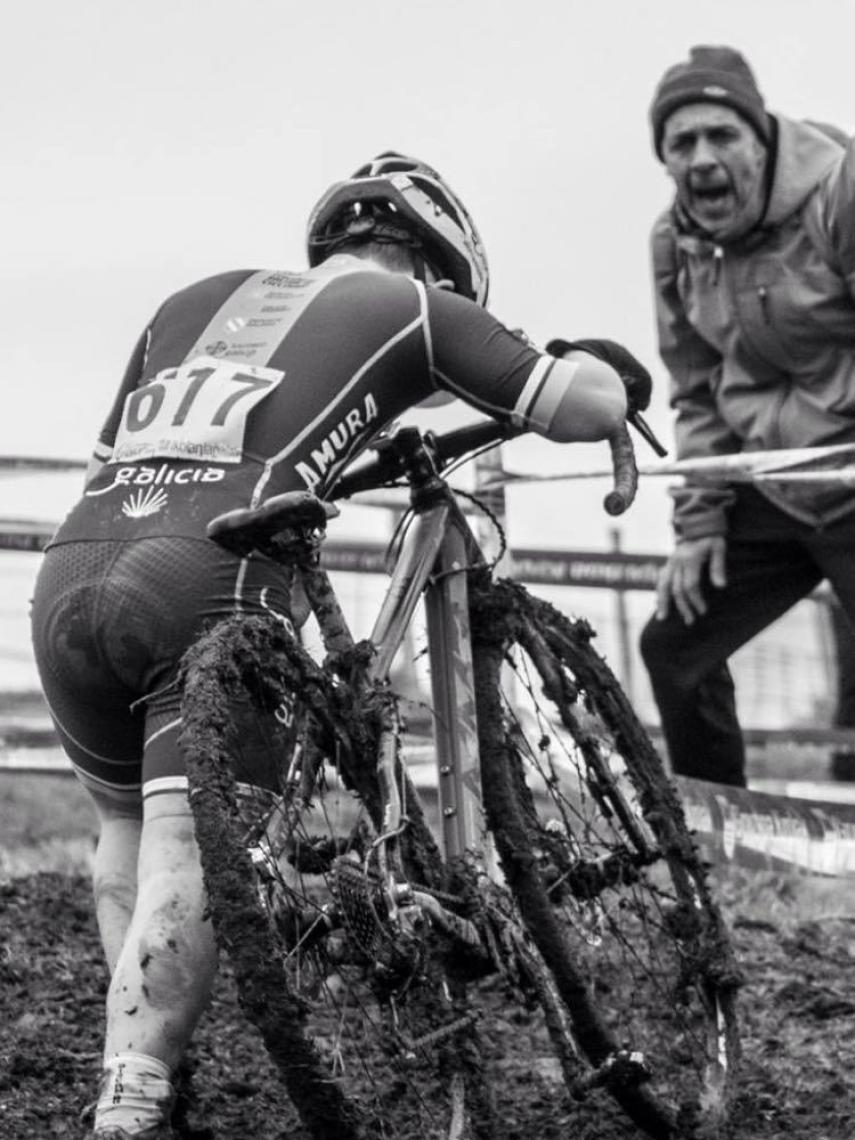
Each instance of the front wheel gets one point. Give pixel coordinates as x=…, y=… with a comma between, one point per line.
x=595, y=849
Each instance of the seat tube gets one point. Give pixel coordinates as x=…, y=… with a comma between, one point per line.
x=453, y=692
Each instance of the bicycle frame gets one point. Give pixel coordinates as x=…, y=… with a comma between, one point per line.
x=437, y=550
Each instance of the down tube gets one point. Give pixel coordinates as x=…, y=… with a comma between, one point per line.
x=455, y=725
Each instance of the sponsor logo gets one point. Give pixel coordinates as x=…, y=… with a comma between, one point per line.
x=144, y=503
x=215, y=452
x=337, y=443
x=242, y=351
x=286, y=280
x=159, y=476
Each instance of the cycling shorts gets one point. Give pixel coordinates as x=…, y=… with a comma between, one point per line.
x=110, y=623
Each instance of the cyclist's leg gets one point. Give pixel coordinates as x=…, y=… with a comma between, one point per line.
x=165, y=972
x=163, y=966
x=114, y=871
x=90, y=709
x=75, y=617
x=96, y=615
x=768, y=571
x=110, y=623
x=164, y=976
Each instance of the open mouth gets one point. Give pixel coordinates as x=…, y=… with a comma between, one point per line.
x=710, y=195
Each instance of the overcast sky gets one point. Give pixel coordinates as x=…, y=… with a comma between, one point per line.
x=148, y=145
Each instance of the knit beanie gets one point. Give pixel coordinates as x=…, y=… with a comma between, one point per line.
x=710, y=75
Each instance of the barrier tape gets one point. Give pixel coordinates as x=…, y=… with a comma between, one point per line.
x=763, y=830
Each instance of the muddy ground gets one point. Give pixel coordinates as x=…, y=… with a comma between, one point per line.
x=798, y=1012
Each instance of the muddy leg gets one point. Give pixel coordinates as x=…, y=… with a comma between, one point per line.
x=164, y=974
x=114, y=877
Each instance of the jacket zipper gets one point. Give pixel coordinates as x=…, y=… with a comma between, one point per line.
x=718, y=258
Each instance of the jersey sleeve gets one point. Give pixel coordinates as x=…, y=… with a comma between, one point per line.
x=496, y=370
x=133, y=374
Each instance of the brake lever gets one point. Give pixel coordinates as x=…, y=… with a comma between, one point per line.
x=637, y=420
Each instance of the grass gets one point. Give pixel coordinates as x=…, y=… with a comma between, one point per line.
x=782, y=898
x=47, y=823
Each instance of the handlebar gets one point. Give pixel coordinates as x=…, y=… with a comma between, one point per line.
x=389, y=463
x=453, y=444
x=286, y=526
x=625, y=473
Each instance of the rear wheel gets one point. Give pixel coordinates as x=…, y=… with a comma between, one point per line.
x=367, y=1004
x=595, y=849
x=220, y=675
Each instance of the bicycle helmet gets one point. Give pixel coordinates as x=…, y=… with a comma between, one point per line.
x=398, y=199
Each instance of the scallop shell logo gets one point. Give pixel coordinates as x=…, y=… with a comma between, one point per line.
x=144, y=503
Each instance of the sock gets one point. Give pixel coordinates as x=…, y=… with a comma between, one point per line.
x=135, y=1093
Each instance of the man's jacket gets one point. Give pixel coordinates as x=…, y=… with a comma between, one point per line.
x=759, y=335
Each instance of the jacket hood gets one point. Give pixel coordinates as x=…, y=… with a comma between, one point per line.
x=806, y=153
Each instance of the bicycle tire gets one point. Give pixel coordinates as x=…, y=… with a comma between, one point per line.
x=213, y=673
x=298, y=1012
x=585, y=853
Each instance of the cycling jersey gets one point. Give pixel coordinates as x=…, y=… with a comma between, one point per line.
x=249, y=384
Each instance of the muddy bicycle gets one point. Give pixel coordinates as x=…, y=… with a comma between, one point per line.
x=363, y=926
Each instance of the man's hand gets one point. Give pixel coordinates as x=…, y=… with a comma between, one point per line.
x=681, y=577
x=636, y=379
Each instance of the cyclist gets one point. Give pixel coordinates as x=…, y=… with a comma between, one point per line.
x=243, y=386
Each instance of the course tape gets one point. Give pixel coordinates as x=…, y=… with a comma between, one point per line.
x=767, y=831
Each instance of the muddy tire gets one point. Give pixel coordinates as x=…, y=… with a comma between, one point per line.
x=595, y=849
x=214, y=677
x=344, y=1016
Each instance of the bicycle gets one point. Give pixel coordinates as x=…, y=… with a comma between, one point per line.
x=564, y=874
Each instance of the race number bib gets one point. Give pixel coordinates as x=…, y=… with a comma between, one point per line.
x=197, y=411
